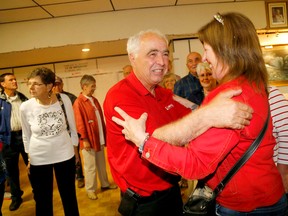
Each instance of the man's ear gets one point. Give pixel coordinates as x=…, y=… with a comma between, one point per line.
x=2, y=84
x=131, y=57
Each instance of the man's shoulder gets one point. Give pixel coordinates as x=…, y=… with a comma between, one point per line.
x=22, y=96
x=118, y=88
x=71, y=96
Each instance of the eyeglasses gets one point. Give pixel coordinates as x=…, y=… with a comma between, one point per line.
x=29, y=84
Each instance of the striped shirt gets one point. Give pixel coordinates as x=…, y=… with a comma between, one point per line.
x=15, y=119
x=279, y=113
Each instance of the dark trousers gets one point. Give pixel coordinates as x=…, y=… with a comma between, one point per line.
x=2, y=191
x=79, y=171
x=11, y=156
x=42, y=183
x=168, y=203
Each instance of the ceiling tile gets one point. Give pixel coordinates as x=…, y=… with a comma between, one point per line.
x=49, y=2
x=185, y=2
x=75, y=8
x=32, y=13
x=9, y=4
x=129, y=4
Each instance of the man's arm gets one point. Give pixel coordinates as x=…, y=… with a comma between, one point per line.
x=221, y=112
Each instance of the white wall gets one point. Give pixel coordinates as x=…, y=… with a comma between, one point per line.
x=106, y=71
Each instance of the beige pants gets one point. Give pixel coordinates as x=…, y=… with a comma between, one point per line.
x=94, y=162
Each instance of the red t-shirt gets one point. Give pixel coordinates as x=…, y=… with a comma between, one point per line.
x=127, y=167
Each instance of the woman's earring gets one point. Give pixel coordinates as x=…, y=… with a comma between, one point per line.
x=49, y=94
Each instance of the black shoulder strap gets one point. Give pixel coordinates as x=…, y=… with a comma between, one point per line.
x=64, y=110
x=243, y=159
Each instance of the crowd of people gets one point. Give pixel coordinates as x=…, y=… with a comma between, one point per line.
x=157, y=127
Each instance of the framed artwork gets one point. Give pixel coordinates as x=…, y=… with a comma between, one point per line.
x=276, y=13
x=276, y=61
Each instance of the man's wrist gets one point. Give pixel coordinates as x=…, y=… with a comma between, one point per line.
x=141, y=147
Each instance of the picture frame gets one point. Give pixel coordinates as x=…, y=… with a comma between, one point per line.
x=276, y=61
x=276, y=12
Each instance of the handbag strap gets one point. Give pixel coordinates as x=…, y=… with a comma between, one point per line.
x=64, y=110
x=243, y=159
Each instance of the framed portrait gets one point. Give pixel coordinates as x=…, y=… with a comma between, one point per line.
x=276, y=12
x=276, y=61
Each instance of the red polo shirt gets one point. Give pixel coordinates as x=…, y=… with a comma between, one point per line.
x=127, y=167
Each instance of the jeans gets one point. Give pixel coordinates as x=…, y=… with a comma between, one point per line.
x=11, y=156
x=278, y=209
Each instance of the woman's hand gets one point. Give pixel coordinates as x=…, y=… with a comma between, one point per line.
x=77, y=156
x=133, y=129
x=86, y=145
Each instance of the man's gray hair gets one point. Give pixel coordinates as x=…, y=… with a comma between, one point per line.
x=133, y=43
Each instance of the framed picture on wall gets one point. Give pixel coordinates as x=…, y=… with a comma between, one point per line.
x=276, y=12
x=276, y=61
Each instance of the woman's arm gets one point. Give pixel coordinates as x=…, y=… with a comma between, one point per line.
x=222, y=112
x=26, y=130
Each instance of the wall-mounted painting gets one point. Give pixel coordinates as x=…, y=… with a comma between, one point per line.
x=276, y=60
x=276, y=12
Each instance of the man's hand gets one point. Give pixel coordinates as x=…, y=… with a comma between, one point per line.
x=228, y=113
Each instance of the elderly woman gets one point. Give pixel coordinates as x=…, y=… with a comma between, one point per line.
x=232, y=48
x=205, y=77
x=45, y=120
x=91, y=128
x=169, y=81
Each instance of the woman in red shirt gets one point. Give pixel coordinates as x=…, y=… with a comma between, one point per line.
x=232, y=48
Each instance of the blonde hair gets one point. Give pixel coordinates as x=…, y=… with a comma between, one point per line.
x=202, y=66
x=167, y=76
x=235, y=42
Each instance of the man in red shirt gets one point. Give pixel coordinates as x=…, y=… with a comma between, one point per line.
x=148, y=189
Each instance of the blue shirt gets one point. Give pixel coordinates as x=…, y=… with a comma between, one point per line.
x=189, y=87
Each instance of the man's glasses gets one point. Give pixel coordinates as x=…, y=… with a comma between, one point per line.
x=29, y=84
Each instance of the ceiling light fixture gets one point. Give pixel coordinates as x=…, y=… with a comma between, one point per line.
x=268, y=47
x=85, y=50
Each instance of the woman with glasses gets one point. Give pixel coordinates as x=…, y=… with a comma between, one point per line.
x=50, y=139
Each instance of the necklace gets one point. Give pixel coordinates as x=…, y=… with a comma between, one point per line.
x=45, y=104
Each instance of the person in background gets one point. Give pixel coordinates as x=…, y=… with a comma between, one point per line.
x=169, y=81
x=279, y=113
x=156, y=192
x=11, y=134
x=91, y=128
x=58, y=88
x=127, y=70
x=212, y=158
x=189, y=86
x=207, y=81
x=51, y=147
